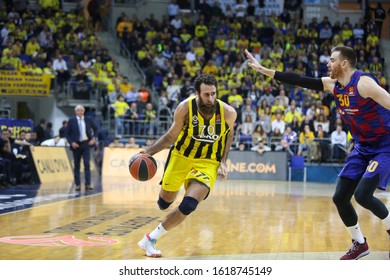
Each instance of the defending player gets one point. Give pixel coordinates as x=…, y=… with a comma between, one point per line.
x=364, y=107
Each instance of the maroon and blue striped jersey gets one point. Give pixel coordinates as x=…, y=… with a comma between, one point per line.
x=366, y=120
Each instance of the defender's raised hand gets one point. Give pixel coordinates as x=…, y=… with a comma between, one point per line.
x=255, y=65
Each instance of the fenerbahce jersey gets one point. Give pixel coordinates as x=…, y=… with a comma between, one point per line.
x=203, y=139
x=366, y=120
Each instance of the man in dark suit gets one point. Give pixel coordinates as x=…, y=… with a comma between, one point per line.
x=81, y=134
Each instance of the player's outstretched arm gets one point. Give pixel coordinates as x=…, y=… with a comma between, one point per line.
x=255, y=65
x=289, y=77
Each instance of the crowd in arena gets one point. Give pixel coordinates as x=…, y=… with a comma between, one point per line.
x=172, y=51
x=280, y=117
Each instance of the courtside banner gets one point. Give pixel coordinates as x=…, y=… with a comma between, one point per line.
x=52, y=164
x=116, y=162
x=249, y=165
x=15, y=83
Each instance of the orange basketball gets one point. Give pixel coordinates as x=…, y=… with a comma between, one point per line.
x=142, y=167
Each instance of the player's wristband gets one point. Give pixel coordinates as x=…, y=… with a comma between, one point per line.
x=302, y=81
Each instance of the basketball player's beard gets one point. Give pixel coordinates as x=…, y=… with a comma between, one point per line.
x=336, y=72
x=204, y=109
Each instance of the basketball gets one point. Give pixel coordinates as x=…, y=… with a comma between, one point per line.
x=142, y=167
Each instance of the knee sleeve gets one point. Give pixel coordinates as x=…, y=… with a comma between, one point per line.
x=162, y=204
x=365, y=190
x=344, y=191
x=188, y=205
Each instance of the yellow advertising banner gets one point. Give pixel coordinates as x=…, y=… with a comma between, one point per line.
x=52, y=164
x=15, y=83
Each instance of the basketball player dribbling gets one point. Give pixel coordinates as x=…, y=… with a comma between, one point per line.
x=364, y=107
x=201, y=134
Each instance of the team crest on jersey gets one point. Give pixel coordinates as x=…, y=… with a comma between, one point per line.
x=351, y=91
x=218, y=119
x=195, y=120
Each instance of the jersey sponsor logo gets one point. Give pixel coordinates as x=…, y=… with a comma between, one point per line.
x=50, y=241
x=206, y=134
x=351, y=111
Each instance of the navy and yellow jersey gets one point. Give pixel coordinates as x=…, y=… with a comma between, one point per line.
x=200, y=138
x=366, y=120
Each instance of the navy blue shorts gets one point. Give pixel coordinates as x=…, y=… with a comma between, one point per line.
x=369, y=159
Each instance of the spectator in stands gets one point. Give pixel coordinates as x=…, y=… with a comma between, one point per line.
x=125, y=26
x=61, y=69
x=326, y=32
x=132, y=118
x=278, y=123
x=150, y=119
x=48, y=133
x=81, y=134
x=113, y=95
x=173, y=91
x=173, y=10
x=176, y=22
x=116, y=143
x=321, y=120
x=56, y=141
x=241, y=147
x=379, y=17
x=297, y=95
x=39, y=129
x=307, y=120
x=306, y=137
x=125, y=86
x=186, y=90
x=277, y=107
x=62, y=130
x=201, y=31
x=268, y=97
x=261, y=147
x=131, y=143
x=32, y=47
x=94, y=10
x=382, y=80
x=149, y=142
x=291, y=113
x=339, y=143
x=120, y=107
x=259, y=133
x=288, y=142
x=322, y=138
x=132, y=95
x=283, y=99
x=7, y=158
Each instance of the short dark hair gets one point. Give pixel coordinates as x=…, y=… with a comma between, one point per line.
x=346, y=53
x=207, y=79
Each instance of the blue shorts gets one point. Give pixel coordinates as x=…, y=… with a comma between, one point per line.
x=369, y=159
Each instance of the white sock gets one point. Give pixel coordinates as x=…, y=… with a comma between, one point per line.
x=386, y=221
x=157, y=232
x=356, y=234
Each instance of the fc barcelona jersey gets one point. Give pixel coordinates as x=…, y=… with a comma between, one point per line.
x=205, y=139
x=366, y=120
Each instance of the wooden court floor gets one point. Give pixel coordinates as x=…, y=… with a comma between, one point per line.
x=240, y=220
